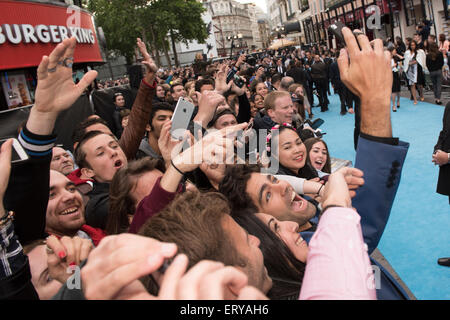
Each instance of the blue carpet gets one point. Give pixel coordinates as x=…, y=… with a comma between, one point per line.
x=418, y=231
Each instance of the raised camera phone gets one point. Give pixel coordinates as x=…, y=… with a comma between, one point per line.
x=18, y=153
x=238, y=81
x=181, y=118
x=336, y=30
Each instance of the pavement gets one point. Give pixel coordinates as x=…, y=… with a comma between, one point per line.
x=417, y=231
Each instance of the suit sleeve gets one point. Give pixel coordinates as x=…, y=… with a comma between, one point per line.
x=382, y=165
x=445, y=130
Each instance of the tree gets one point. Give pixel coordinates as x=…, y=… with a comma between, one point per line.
x=119, y=20
x=157, y=21
x=181, y=20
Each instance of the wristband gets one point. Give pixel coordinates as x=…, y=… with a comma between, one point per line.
x=318, y=192
x=173, y=165
x=331, y=206
x=148, y=85
x=448, y=155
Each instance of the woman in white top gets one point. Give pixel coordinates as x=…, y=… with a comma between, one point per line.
x=414, y=66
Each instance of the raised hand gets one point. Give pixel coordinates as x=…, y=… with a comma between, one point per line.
x=56, y=90
x=208, y=101
x=214, y=148
x=66, y=252
x=148, y=61
x=236, y=89
x=367, y=73
x=336, y=190
x=168, y=146
x=221, y=84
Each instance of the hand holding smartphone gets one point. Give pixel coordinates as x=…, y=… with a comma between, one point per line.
x=336, y=30
x=181, y=118
x=18, y=154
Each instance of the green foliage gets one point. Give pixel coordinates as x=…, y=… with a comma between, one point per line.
x=124, y=21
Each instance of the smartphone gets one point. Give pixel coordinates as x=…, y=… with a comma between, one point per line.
x=181, y=118
x=315, y=124
x=336, y=30
x=18, y=154
x=238, y=81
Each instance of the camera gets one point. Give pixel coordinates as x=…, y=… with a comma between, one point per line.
x=238, y=81
x=295, y=99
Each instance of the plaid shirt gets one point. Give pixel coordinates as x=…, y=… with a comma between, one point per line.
x=12, y=257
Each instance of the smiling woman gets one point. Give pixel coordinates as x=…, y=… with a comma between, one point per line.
x=285, y=270
x=318, y=155
x=290, y=151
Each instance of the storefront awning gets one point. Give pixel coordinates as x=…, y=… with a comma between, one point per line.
x=30, y=30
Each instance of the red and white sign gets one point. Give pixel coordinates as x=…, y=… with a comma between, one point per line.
x=30, y=30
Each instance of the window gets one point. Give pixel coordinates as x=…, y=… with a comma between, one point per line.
x=303, y=5
x=409, y=12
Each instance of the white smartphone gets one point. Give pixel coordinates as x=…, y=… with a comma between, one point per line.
x=181, y=118
x=18, y=153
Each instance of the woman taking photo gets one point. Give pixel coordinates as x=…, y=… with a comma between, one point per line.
x=414, y=66
x=435, y=62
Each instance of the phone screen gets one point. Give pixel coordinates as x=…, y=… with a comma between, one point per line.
x=181, y=118
x=15, y=157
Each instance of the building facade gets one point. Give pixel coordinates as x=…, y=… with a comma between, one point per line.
x=233, y=22
x=377, y=18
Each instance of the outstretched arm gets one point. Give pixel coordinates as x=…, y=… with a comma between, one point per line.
x=367, y=73
x=142, y=107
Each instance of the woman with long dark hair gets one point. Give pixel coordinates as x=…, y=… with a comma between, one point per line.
x=291, y=154
x=318, y=155
x=414, y=66
x=396, y=87
x=285, y=269
x=435, y=62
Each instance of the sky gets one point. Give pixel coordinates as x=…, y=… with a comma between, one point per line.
x=259, y=3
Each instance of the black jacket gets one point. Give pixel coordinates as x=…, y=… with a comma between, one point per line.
x=443, y=144
x=435, y=65
x=27, y=195
x=335, y=76
x=319, y=71
x=298, y=74
x=97, y=208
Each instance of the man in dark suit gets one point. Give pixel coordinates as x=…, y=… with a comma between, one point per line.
x=441, y=157
x=320, y=78
x=379, y=156
x=338, y=86
x=280, y=67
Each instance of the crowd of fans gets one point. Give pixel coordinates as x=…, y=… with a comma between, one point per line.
x=146, y=219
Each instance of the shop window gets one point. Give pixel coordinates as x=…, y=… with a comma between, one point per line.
x=409, y=12
x=303, y=5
